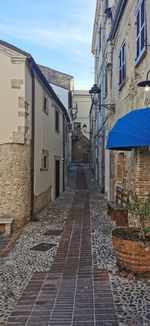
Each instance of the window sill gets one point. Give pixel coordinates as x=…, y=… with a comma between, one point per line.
x=140, y=58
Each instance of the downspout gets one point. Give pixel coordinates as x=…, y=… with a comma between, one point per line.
x=64, y=158
x=32, y=144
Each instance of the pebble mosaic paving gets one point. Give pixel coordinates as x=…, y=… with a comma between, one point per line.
x=59, y=284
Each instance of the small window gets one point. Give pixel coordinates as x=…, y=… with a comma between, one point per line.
x=77, y=125
x=140, y=31
x=57, y=120
x=44, y=162
x=122, y=65
x=45, y=104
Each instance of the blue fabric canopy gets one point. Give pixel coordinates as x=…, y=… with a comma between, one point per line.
x=131, y=130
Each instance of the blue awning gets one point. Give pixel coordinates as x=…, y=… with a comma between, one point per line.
x=132, y=130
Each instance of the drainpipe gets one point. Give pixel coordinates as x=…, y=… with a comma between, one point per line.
x=32, y=144
x=64, y=158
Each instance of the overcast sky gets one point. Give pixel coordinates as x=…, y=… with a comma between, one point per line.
x=57, y=33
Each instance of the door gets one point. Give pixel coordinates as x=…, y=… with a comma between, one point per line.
x=57, y=178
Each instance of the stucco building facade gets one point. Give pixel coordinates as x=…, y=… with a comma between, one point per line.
x=122, y=28
x=33, y=137
x=81, y=149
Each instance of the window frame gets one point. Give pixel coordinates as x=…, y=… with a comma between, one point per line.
x=122, y=65
x=77, y=125
x=57, y=121
x=45, y=160
x=45, y=104
x=140, y=29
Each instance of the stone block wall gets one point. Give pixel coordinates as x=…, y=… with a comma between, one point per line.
x=132, y=171
x=142, y=180
x=15, y=183
x=42, y=200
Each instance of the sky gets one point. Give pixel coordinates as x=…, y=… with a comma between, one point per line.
x=57, y=33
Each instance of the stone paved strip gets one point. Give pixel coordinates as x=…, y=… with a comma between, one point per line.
x=74, y=291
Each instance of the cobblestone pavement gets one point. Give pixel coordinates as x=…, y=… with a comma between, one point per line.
x=4, y=240
x=131, y=297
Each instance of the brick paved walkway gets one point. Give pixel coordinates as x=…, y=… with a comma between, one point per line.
x=4, y=240
x=74, y=291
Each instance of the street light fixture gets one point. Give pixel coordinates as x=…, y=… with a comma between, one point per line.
x=85, y=129
x=145, y=83
x=74, y=111
x=94, y=92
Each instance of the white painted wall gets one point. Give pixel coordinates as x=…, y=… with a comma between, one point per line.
x=9, y=119
x=83, y=100
x=46, y=137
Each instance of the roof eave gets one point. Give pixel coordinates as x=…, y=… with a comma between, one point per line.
x=117, y=18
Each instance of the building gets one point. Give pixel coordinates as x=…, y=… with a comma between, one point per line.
x=122, y=59
x=33, y=138
x=81, y=148
x=99, y=110
x=63, y=86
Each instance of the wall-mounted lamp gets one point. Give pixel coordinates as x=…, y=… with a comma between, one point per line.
x=74, y=111
x=85, y=129
x=94, y=92
x=145, y=83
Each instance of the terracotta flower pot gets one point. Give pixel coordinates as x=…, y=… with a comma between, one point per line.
x=131, y=255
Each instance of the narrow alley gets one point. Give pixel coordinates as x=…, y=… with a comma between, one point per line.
x=75, y=281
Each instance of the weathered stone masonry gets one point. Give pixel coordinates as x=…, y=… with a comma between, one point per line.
x=15, y=183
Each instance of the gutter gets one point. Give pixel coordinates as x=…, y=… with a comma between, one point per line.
x=64, y=158
x=50, y=90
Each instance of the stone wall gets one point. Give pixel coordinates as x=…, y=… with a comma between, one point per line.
x=142, y=180
x=42, y=200
x=57, y=77
x=15, y=183
x=81, y=149
x=132, y=170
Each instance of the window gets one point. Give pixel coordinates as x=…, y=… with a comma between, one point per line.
x=77, y=125
x=44, y=161
x=45, y=104
x=57, y=120
x=122, y=65
x=140, y=30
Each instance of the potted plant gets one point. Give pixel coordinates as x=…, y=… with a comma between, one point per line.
x=132, y=244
